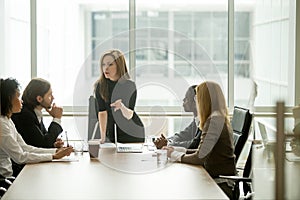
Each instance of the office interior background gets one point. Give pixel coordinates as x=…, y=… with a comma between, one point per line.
x=248, y=46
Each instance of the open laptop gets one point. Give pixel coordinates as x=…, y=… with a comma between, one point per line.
x=290, y=156
x=269, y=141
x=127, y=148
x=264, y=135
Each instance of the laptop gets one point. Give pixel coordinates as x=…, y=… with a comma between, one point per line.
x=264, y=136
x=127, y=148
x=267, y=141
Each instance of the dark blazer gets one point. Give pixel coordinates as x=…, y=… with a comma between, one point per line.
x=196, y=140
x=32, y=131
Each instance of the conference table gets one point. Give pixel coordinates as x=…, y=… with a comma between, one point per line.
x=113, y=176
x=264, y=174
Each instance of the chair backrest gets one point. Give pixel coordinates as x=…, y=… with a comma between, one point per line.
x=241, y=123
x=93, y=127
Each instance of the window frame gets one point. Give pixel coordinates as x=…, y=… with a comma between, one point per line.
x=260, y=110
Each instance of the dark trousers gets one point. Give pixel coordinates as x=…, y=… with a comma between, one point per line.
x=232, y=193
x=17, y=168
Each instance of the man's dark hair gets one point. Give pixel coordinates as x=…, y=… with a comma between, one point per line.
x=36, y=87
x=8, y=89
x=194, y=87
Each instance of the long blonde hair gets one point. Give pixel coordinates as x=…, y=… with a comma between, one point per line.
x=122, y=71
x=210, y=98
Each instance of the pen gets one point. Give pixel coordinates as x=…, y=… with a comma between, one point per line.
x=67, y=138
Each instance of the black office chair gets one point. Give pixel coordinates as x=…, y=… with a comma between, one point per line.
x=2, y=191
x=93, y=125
x=245, y=179
x=5, y=183
x=241, y=123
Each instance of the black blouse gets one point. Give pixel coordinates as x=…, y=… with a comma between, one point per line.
x=128, y=130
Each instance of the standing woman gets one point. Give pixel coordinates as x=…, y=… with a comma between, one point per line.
x=116, y=97
x=12, y=145
x=215, y=151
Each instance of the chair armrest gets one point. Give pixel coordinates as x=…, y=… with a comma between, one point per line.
x=237, y=178
x=10, y=178
x=2, y=191
x=8, y=182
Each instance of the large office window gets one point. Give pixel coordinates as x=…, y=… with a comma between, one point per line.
x=15, y=40
x=177, y=48
x=60, y=46
x=177, y=44
x=105, y=25
x=174, y=47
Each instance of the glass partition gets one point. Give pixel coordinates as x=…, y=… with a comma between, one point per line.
x=264, y=52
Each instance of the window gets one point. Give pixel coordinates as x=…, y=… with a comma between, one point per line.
x=60, y=47
x=15, y=47
x=177, y=44
x=180, y=48
x=105, y=27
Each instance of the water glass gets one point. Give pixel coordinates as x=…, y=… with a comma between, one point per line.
x=78, y=148
x=162, y=157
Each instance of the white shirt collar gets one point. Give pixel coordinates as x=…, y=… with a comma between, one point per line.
x=39, y=114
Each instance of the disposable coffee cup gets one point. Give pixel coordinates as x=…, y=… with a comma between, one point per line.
x=94, y=146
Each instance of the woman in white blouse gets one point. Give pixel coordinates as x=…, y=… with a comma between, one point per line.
x=12, y=146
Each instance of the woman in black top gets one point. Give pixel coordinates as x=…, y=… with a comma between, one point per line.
x=116, y=97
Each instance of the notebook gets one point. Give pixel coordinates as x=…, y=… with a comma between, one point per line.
x=127, y=148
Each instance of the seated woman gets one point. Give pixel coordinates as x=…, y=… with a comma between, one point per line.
x=216, y=150
x=12, y=146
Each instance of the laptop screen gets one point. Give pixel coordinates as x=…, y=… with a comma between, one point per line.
x=263, y=132
x=128, y=148
x=116, y=136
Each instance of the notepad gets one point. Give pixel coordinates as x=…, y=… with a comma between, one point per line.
x=292, y=157
x=66, y=159
x=108, y=145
